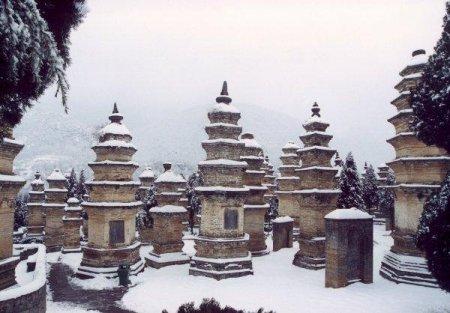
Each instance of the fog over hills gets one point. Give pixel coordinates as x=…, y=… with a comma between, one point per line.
x=54, y=139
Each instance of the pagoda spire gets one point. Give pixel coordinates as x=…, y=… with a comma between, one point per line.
x=315, y=110
x=224, y=98
x=115, y=117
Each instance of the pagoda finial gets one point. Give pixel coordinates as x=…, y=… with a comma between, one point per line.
x=418, y=52
x=315, y=110
x=224, y=98
x=37, y=175
x=115, y=117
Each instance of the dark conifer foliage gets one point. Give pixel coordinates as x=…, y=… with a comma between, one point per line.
x=431, y=99
x=81, y=189
x=433, y=234
x=194, y=205
x=212, y=306
x=386, y=197
x=350, y=185
x=72, y=184
x=370, y=189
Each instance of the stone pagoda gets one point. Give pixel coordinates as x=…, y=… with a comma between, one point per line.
x=222, y=245
x=112, y=207
x=10, y=185
x=72, y=222
x=382, y=173
x=269, y=179
x=36, y=213
x=255, y=207
x=338, y=163
x=317, y=193
x=147, y=178
x=288, y=182
x=168, y=220
x=56, y=196
x=419, y=170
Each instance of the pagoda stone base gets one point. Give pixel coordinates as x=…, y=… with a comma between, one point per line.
x=105, y=262
x=221, y=258
x=146, y=234
x=311, y=254
x=166, y=259
x=405, y=263
x=70, y=250
x=8, y=272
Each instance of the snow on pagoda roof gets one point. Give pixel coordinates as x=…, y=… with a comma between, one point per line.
x=251, y=143
x=223, y=107
x=168, y=209
x=223, y=125
x=225, y=162
x=170, y=176
x=56, y=175
x=418, y=59
x=12, y=178
x=115, y=129
x=283, y=219
x=291, y=145
x=348, y=214
x=73, y=200
x=147, y=173
x=314, y=119
x=115, y=143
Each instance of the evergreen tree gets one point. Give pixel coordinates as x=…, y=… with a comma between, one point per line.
x=370, y=189
x=386, y=198
x=194, y=204
x=144, y=219
x=30, y=60
x=431, y=99
x=72, y=184
x=433, y=234
x=350, y=185
x=21, y=210
x=81, y=189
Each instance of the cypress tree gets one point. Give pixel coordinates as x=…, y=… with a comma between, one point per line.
x=433, y=234
x=72, y=184
x=431, y=100
x=81, y=189
x=370, y=189
x=350, y=185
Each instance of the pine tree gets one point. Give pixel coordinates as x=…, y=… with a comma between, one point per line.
x=81, y=189
x=386, y=199
x=433, y=234
x=350, y=185
x=72, y=184
x=30, y=60
x=370, y=189
x=194, y=204
x=431, y=99
x=21, y=210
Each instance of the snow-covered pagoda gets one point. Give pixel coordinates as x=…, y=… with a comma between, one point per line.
x=221, y=245
x=168, y=220
x=269, y=179
x=10, y=184
x=255, y=207
x=56, y=196
x=36, y=213
x=72, y=222
x=419, y=169
x=317, y=195
x=288, y=182
x=147, y=178
x=112, y=206
x=382, y=173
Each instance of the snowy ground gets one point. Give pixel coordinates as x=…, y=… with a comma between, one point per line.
x=276, y=285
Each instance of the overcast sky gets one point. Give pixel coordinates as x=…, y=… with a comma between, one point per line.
x=281, y=55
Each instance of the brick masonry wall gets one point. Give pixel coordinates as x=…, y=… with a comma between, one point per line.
x=30, y=303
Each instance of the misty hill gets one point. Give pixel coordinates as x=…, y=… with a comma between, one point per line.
x=54, y=139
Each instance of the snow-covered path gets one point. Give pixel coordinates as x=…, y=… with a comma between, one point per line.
x=279, y=286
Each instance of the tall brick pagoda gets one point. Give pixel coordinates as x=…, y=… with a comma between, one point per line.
x=255, y=207
x=288, y=182
x=269, y=179
x=317, y=193
x=419, y=169
x=147, y=179
x=112, y=206
x=168, y=217
x=222, y=245
x=72, y=222
x=56, y=196
x=10, y=185
x=36, y=212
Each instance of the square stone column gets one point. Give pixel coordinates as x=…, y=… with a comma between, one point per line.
x=282, y=232
x=349, y=247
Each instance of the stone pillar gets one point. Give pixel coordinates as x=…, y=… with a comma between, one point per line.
x=419, y=170
x=255, y=207
x=287, y=183
x=147, y=179
x=283, y=227
x=168, y=218
x=36, y=212
x=112, y=206
x=56, y=196
x=349, y=247
x=317, y=193
x=222, y=249
x=10, y=185
x=72, y=222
